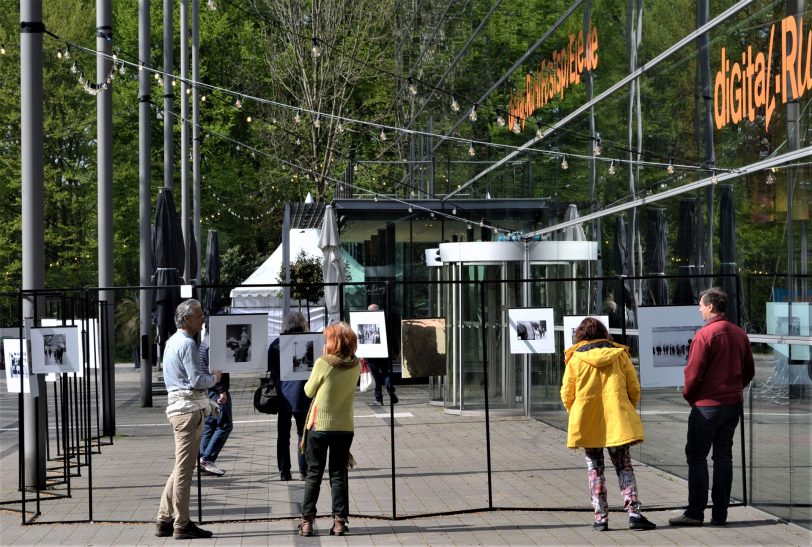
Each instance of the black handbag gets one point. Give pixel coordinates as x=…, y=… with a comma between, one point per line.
x=266, y=399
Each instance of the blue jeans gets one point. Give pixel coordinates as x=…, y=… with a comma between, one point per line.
x=216, y=430
x=710, y=426
x=283, y=438
x=319, y=444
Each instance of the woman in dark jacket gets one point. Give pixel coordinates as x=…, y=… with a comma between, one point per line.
x=293, y=403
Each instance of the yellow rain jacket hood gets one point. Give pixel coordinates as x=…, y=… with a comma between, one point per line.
x=600, y=390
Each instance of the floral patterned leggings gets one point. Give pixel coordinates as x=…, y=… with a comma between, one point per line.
x=622, y=461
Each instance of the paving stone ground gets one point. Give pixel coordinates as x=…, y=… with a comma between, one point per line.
x=538, y=489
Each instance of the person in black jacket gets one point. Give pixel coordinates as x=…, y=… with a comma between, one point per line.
x=382, y=371
x=293, y=403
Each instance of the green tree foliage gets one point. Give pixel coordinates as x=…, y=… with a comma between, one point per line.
x=306, y=278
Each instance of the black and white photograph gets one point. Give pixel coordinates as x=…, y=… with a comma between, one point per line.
x=298, y=353
x=17, y=377
x=571, y=323
x=531, y=330
x=665, y=336
x=55, y=350
x=370, y=327
x=238, y=342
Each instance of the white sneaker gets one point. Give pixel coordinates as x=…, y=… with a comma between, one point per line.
x=210, y=468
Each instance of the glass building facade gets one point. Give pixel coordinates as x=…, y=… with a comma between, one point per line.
x=679, y=130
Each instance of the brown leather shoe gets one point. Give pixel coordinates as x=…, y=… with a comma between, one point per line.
x=339, y=527
x=306, y=526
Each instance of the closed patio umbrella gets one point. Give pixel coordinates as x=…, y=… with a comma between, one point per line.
x=727, y=250
x=211, y=298
x=333, y=267
x=169, y=263
x=685, y=292
x=656, y=241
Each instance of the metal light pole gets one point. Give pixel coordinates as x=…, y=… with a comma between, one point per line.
x=144, y=203
x=33, y=231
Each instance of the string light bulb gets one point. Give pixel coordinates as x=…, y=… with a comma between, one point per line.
x=211, y=5
x=482, y=223
x=500, y=120
x=238, y=103
x=454, y=211
x=770, y=178
x=539, y=132
x=713, y=177
x=412, y=87
x=315, y=49
x=612, y=167
x=670, y=168
x=297, y=117
x=516, y=127
x=3, y=50
x=410, y=208
x=597, y=147
x=375, y=198
x=249, y=119
x=472, y=115
x=455, y=106
x=383, y=135
x=317, y=122
x=340, y=128
x=471, y=150
x=431, y=214
x=564, y=164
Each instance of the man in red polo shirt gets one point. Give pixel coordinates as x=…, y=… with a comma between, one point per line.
x=720, y=365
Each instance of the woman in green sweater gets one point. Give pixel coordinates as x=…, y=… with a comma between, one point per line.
x=329, y=425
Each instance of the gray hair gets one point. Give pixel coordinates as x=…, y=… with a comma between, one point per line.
x=294, y=321
x=184, y=310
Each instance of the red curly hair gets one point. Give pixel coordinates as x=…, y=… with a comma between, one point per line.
x=340, y=339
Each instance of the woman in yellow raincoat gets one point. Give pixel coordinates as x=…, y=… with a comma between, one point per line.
x=600, y=390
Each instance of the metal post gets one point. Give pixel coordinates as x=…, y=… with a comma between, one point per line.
x=104, y=137
x=196, y=134
x=33, y=233
x=144, y=204
x=485, y=381
x=387, y=314
x=184, y=140
x=169, y=142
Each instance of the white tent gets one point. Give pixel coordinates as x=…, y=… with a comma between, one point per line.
x=266, y=296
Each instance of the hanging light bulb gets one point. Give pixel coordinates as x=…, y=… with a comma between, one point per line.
x=249, y=119
x=455, y=106
x=410, y=208
x=431, y=214
x=597, y=148
x=297, y=117
x=202, y=98
x=73, y=68
x=315, y=49
x=188, y=90
x=482, y=223
x=454, y=211
x=238, y=103
x=211, y=5
x=59, y=54
x=516, y=127
x=612, y=167
x=471, y=151
x=375, y=199
x=564, y=164
x=383, y=135
x=122, y=69
x=412, y=87
x=670, y=168
x=713, y=177
x=317, y=122
x=770, y=178
x=3, y=50
x=298, y=141
x=339, y=128
x=500, y=120
x=539, y=132
x=472, y=114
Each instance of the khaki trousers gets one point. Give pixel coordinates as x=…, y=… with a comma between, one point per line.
x=188, y=429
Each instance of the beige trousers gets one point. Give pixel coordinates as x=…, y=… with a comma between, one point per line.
x=188, y=429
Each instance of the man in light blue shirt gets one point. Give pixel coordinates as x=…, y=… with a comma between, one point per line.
x=187, y=407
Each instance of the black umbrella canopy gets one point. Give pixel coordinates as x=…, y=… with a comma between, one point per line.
x=685, y=293
x=727, y=250
x=169, y=253
x=211, y=299
x=656, y=242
